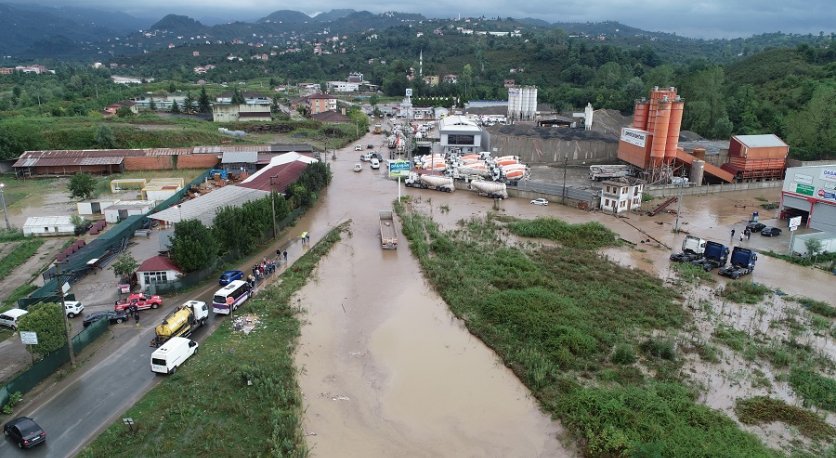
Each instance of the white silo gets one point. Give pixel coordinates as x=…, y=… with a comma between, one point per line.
x=514, y=102
x=529, y=103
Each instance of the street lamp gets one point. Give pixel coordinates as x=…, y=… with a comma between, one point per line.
x=3, y=199
x=273, y=203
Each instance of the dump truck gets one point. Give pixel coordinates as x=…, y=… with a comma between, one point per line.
x=181, y=322
x=692, y=250
x=436, y=182
x=742, y=263
x=715, y=255
x=388, y=232
x=489, y=189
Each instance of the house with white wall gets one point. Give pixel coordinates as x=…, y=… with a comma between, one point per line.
x=621, y=195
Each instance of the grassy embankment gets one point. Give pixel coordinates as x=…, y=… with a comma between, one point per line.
x=209, y=407
x=593, y=341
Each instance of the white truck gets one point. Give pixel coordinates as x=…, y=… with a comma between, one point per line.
x=436, y=182
x=605, y=172
x=181, y=322
x=490, y=189
x=388, y=232
x=692, y=249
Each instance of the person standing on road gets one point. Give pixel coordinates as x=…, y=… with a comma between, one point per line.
x=284, y=253
x=136, y=317
x=732, y=235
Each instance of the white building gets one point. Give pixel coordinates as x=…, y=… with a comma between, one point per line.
x=459, y=133
x=125, y=208
x=343, y=86
x=48, y=225
x=93, y=207
x=621, y=195
x=222, y=112
x=156, y=270
x=810, y=192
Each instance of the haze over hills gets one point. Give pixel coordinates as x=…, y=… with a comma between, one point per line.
x=69, y=33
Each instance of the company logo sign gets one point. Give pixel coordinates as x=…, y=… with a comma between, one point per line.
x=636, y=137
x=828, y=174
x=399, y=168
x=826, y=195
x=804, y=189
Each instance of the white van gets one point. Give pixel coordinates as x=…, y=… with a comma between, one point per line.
x=172, y=354
x=11, y=317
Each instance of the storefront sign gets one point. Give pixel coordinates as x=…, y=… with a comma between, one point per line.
x=804, y=189
x=634, y=137
x=803, y=179
x=828, y=175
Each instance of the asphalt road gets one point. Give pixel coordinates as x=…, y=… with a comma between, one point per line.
x=75, y=410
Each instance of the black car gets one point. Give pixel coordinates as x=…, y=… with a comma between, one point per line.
x=755, y=226
x=110, y=315
x=369, y=146
x=25, y=432
x=771, y=232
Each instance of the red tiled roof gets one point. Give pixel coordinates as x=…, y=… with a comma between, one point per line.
x=286, y=175
x=157, y=264
x=330, y=116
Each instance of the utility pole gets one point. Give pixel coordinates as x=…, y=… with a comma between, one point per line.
x=273, y=204
x=60, y=292
x=5, y=211
x=565, y=166
x=678, y=206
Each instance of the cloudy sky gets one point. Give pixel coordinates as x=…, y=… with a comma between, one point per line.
x=696, y=18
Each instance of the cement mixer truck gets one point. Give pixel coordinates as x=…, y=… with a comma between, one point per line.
x=490, y=189
x=429, y=182
x=181, y=322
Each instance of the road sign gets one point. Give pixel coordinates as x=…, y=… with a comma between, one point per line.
x=65, y=288
x=29, y=337
x=409, y=92
x=795, y=222
x=399, y=168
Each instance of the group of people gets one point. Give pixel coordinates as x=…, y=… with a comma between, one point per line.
x=746, y=233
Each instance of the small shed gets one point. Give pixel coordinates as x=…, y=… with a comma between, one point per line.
x=160, y=189
x=157, y=270
x=125, y=208
x=94, y=207
x=240, y=161
x=48, y=225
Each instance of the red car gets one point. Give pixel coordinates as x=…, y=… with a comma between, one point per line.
x=141, y=301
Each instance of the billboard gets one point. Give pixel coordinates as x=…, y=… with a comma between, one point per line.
x=399, y=168
x=634, y=137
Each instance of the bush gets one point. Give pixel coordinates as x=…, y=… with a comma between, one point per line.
x=762, y=409
x=745, y=292
x=822, y=308
x=623, y=354
x=659, y=348
x=588, y=236
x=814, y=388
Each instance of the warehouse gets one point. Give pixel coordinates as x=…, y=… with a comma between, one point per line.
x=810, y=192
x=48, y=225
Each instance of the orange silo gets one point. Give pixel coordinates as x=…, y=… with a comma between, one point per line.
x=677, y=107
x=660, y=131
x=640, y=114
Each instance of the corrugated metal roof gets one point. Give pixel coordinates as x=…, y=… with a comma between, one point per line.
x=43, y=221
x=287, y=147
x=100, y=160
x=237, y=157
x=286, y=174
x=204, y=207
x=760, y=141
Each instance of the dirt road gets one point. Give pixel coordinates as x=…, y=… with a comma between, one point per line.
x=386, y=370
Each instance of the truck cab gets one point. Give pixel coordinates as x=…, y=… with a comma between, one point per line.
x=692, y=250
x=715, y=255
x=742, y=263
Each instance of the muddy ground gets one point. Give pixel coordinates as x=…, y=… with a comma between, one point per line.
x=387, y=370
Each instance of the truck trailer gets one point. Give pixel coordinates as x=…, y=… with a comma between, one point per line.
x=181, y=322
x=438, y=183
x=490, y=189
x=388, y=232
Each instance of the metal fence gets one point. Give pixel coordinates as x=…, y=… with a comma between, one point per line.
x=43, y=368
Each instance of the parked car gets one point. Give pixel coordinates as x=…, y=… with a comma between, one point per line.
x=358, y=148
x=73, y=308
x=369, y=146
x=375, y=164
x=24, y=432
x=11, y=317
x=358, y=167
x=771, y=232
x=539, y=201
x=755, y=226
x=230, y=276
x=111, y=316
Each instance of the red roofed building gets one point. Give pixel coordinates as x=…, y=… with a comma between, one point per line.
x=320, y=103
x=282, y=172
x=158, y=269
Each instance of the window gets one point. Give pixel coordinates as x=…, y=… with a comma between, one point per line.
x=606, y=202
x=155, y=277
x=636, y=191
x=622, y=203
x=456, y=139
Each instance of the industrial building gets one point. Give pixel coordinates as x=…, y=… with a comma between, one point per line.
x=651, y=143
x=522, y=103
x=460, y=134
x=810, y=192
x=48, y=225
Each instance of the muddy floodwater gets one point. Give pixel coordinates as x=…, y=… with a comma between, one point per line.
x=386, y=369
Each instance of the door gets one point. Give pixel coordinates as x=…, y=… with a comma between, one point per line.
x=123, y=215
x=95, y=208
x=823, y=217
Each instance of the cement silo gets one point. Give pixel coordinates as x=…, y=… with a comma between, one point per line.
x=522, y=102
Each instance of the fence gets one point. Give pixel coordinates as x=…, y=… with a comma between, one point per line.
x=673, y=190
x=43, y=368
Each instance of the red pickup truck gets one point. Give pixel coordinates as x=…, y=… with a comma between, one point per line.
x=141, y=301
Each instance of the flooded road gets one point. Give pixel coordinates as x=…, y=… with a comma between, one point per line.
x=386, y=369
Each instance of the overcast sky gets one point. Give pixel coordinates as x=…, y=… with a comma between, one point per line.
x=695, y=18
